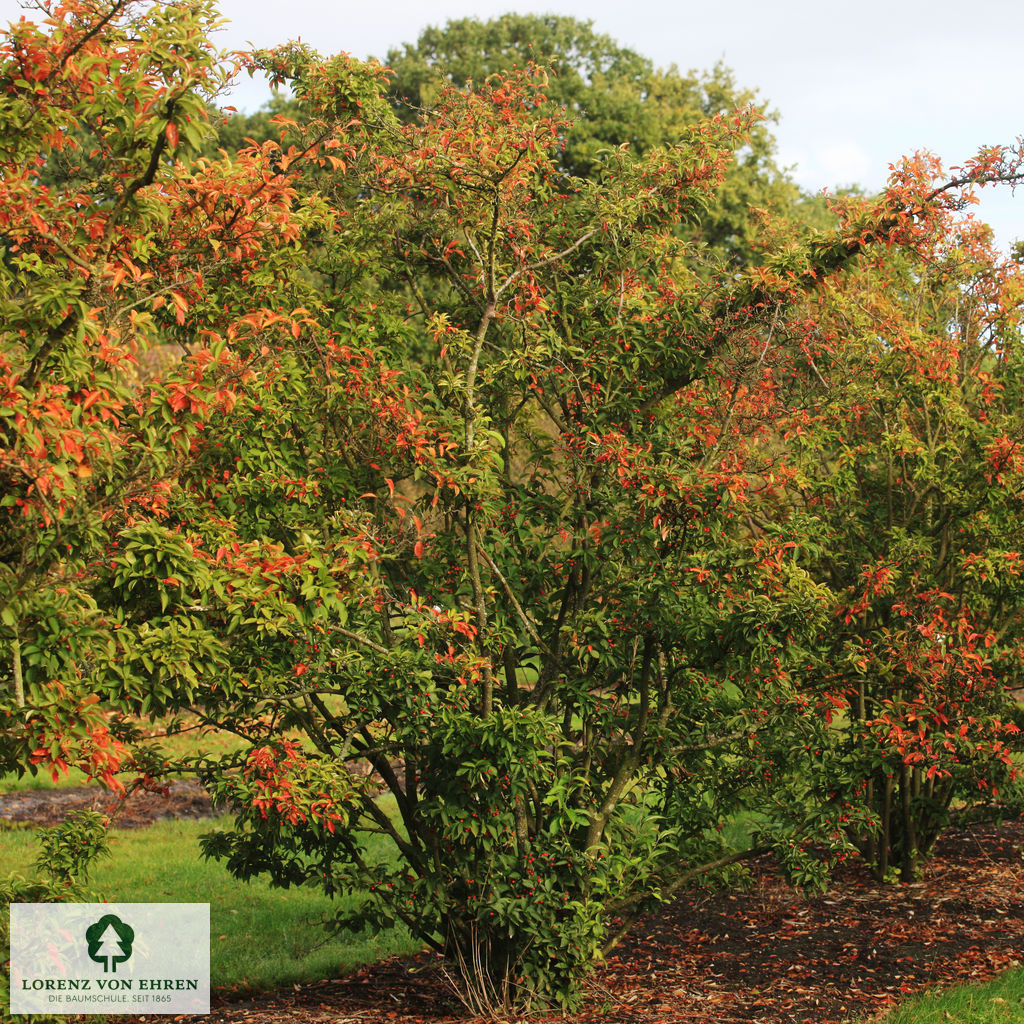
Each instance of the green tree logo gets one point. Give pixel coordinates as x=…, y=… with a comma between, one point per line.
x=110, y=942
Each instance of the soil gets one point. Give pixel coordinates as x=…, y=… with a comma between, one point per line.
x=183, y=799
x=766, y=955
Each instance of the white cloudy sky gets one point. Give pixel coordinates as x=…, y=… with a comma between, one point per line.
x=857, y=84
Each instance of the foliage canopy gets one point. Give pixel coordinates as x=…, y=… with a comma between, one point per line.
x=480, y=473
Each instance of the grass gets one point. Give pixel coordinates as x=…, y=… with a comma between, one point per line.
x=999, y=1001
x=260, y=938
x=13, y=784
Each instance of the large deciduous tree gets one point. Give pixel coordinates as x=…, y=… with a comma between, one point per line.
x=529, y=422
x=508, y=578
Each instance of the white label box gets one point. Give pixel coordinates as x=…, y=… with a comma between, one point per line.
x=123, y=958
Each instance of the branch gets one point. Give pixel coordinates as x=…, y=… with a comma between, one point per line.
x=361, y=640
x=142, y=181
x=523, y=617
x=173, y=286
x=1008, y=177
x=469, y=421
x=714, y=744
x=53, y=335
x=552, y=413
x=630, y=760
x=546, y=261
x=69, y=253
x=19, y=684
x=825, y=257
x=115, y=9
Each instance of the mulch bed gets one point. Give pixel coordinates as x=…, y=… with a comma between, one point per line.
x=762, y=956
x=183, y=799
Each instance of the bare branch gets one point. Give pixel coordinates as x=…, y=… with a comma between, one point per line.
x=546, y=261
x=517, y=607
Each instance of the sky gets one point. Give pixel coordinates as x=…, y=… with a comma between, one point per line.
x=856, y=86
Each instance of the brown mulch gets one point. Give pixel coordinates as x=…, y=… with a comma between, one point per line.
x=179, y=798
x=762, y=956
x=184, y=799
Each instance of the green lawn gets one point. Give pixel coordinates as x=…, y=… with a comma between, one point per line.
x=1000, y=1001
x=12, y=784
x=260, y=937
